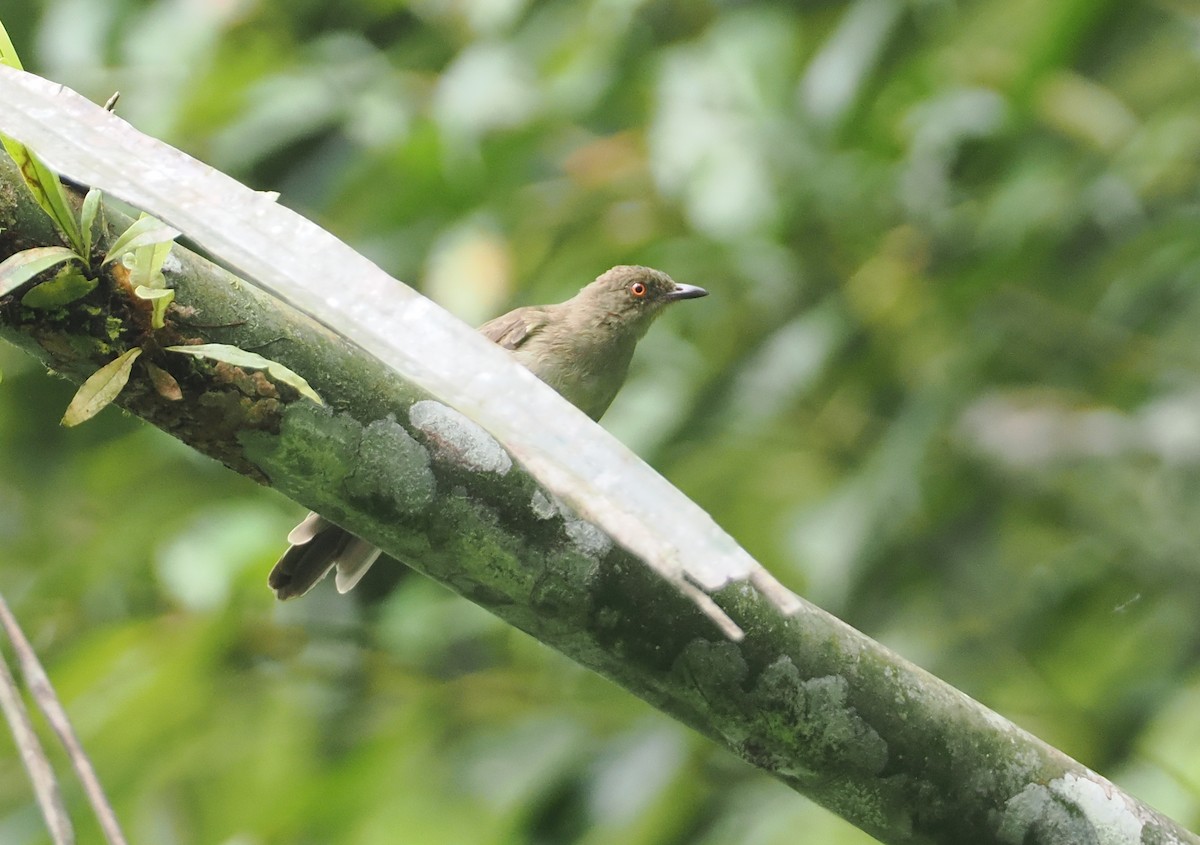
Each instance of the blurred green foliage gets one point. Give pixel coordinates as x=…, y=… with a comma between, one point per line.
x=947, y=386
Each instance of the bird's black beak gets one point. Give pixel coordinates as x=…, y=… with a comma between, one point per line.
x=685, y=292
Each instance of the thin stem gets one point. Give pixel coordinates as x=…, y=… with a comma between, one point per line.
x=41, y=774
x=43, y=693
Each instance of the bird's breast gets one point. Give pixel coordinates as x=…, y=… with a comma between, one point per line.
x=586, y=375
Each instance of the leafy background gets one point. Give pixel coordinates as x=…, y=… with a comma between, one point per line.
x=947, y=386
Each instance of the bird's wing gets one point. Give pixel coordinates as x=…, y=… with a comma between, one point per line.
x=514, y=328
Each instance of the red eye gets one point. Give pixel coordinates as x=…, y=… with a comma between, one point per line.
x=638, y=289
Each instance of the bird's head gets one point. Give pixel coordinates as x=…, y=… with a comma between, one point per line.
x=633, y=296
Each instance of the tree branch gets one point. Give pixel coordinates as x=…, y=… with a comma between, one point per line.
x=826, y=710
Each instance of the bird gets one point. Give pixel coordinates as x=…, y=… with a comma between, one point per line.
x=581, y=347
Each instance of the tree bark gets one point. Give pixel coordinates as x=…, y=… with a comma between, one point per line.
x=835, y=715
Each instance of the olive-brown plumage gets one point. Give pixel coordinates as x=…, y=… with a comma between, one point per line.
x=581, y=348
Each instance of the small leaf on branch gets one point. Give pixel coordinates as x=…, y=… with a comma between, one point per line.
x=8, y=53
x=69, y=285
x=87, y=218
x=43, y=183
x=250, y=360
x=145, y=231
x=101, y=388
x=143, y=292
x=164, y=383
x=159, y=299
x=46, y=189
x=18, y=269
x=148, y=260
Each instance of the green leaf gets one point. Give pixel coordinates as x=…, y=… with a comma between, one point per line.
x=101, y=388
x=159, y=298
x=144, y=231
x=18, y=269
x=143, y=292
x=46, y=189
x=148, y=263
x=8, y=53
x=250, y=360
x=41, y=181
x=87, y=218
x=145, y=271
x=69, y=285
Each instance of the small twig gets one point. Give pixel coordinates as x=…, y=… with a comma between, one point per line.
x=43, y=693
x=41, y=774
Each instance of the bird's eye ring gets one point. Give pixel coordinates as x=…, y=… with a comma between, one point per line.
x=637, y=289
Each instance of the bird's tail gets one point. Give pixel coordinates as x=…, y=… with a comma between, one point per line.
x=318, y=546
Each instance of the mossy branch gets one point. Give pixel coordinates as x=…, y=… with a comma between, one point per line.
x=818, y=705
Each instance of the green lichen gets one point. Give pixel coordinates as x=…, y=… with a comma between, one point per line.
x=391, y=468
x=488, y=556
x=563, y=586
x=314, y=450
